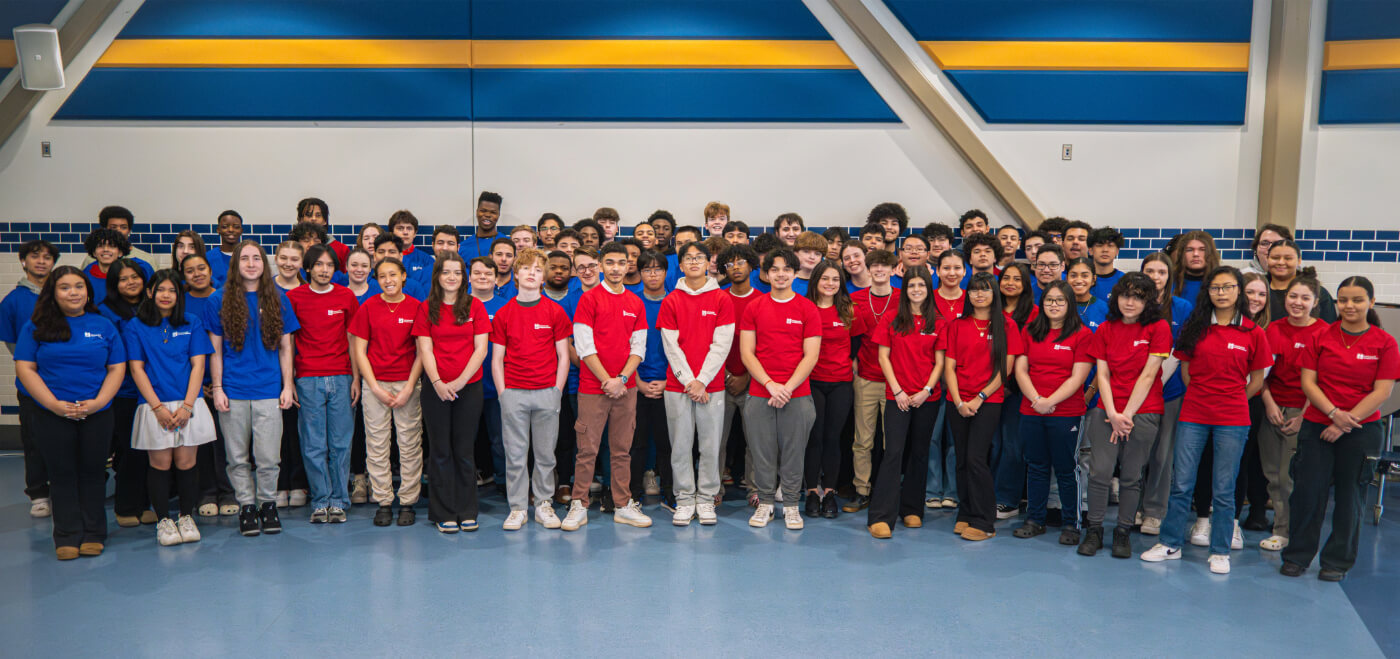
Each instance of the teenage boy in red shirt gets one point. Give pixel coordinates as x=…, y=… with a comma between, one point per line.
x=874, y=306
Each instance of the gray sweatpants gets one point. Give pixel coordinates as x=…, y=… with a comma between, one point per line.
x=694, y=424
x=778, y=440
x=1130, y=457
x=253, y=434
x=529, y=416
x=1157, y=487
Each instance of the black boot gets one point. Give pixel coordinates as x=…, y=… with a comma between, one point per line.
x=1093, y=541
x=1122, y=543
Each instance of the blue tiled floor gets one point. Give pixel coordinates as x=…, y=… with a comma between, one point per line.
x=359, y=590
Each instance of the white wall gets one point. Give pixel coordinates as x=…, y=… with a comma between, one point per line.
x=1354, y=184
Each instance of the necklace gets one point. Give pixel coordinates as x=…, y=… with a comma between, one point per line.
x=982, y=329
x=870, y=300
x=1345, y=333
x=393, y=306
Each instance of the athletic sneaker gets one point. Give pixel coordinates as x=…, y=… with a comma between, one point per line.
x=359, y=489
x=950, y=502
x=40, y=507
x=792, y=517
x=706, y=512
x=1007, y=512
x=1236, y=539
x=267, y=516
x=188, y=531
x=684, y=513
x=1220, y=563
x=933, y=502
x=514, y=520
x=761, y=515
x=166, y=533
x=282, y=498
x=1160, y=552
x=544, y=515
x=297, y=498
x=578, y=516
x=335, y=515
x=1151, y=526
x=319, y=516
x=650, y=484
x=632, y=515
x=1200, y=532
x=248, y=521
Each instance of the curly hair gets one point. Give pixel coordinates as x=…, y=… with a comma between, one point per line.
x=233, y=313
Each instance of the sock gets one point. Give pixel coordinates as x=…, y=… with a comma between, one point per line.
x=187, y=484
x=158, y=485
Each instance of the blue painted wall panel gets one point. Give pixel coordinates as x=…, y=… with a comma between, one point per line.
x=1363, y=19
x=1360, y=97
x=1071, y=97
x=404, y=19
x=654, y=19
x=23, y=12
x=1086, y=20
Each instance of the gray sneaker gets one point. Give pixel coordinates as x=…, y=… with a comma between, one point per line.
x=335, y=515
x=319, y=516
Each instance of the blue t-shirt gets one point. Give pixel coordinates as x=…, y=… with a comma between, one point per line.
x=198, y=307
x=570, y=305
x=218, y=266
x=635, y=288
x=654, y=364
x=1104, y=284
x=673, y=273
x=253, y=373
x=1094, y=313
x=1174, y=388
x=799, y=286
x=74, y=369
x=128, y=388
x=758, y=284
x=488, y=383
x=1190, y=288
x=15, y=311
x=507, y=290
x=165, y=353
x=471, y=247
x=372, y=291
x=420, y=266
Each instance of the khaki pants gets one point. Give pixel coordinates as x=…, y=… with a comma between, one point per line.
x=619, y=415
x=870, y=405
x=1276, y=454
x=408, y=420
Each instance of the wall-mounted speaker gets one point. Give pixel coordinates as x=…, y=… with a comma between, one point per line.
x=40, y=66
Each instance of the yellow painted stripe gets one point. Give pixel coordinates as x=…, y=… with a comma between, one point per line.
x=1088, y=55
x=1368, y=54
x=7, y=54
x=289, y=53
x=660, y=53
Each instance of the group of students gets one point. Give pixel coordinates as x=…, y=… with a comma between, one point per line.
x=1185, y=390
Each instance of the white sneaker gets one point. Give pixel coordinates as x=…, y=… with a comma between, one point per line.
x=761, y=515
x=1200, y=532
x=650, y=484
x=934, y=503
x=577, y=516
x=166, y=533
x=544, y=515
x=1159, y=552
x=1236, y=540
x=684, y=513
x=188, y=531
x=706, y=512
x=359, y=489
x=632, y=515
x=40, y=508
x=297, y=498
x=792, y=517
x=281, y=498
x=1151, y=526
x=1220, y=563
x=514, y=520
x=1274, y=543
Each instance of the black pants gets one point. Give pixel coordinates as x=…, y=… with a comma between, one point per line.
x=972, y=442
x=1318, y=466
x=834, y=401
x=292, y=475
x=36, y=477
x=128, y=464
x=451, y=467
x=566, y=445
x=212, y=462
x=898, y=490
x=75, y=453
x=357, y=442
x=651, y=427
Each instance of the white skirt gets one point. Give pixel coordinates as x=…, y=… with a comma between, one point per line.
x=147, y=435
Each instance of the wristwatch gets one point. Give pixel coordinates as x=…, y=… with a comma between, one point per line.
x=982, y=395
x=927, y=390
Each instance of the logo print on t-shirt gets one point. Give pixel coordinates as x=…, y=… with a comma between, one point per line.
x=792, y=321
x=332, y=312
x=539, y=326
x=1063, y=347
x=91, y=335
x=1236, y=346
x=1361, y=355
x=704, y=312
x=1139, y=342
x=629, y=314
x=405, y=320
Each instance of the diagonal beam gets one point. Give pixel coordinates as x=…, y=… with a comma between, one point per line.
x=959, y=134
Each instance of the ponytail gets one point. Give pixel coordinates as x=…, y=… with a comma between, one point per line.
x=1364, y=284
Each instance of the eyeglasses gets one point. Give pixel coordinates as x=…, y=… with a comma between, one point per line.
x=695, y=258
x=1223, y=289
x=1267, y=244
x=734, y=265
x=1054, y=302
x=914, y=250
x=1047, y=266
x=586, y=268
x=652, y=271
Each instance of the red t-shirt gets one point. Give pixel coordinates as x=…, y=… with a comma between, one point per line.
x=949, y=308
x=1288, y=343
x=971, y=348
x=453, y=344
x=342, y=254
x=695, y=319
x=1126, y=347
x=388, y=329
x=528, y=335
x=322, y=345
x=779, y=329
x=1030, y=317
x=912, y=355
x=1226, y=355
x=613, y=317
x=872, y=311
x=1348, y=367
x=1051, y=361
x=735, y=363
x=834, y=360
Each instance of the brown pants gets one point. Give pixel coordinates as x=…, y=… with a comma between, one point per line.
x=620, y=416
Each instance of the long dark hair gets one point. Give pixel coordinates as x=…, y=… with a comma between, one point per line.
x=1165, y=303
x=1179, y=258
x=842, y=300
x=903, y=322
x=114, y=301
x=1355, y=280
x=149, y=313
x=1198, y=323
x=1040, y=327
x=1026, y=301
x=1301, y=271
x=462, y=307
x=50, y=324
x=986, y=281
x=233, y=312
x=1138, y=285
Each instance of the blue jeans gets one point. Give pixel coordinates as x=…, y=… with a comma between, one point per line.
x=491, y=413
x=1008, y=458
x=942, y=465
x=1050, y=442
x=1228, y=446
x=327, y=430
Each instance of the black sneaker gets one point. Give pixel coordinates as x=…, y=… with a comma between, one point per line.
x=271, y=523
x=829, y=507
x=1069, y=536
x=861, y=502
x=1328, y=574
x=1093, y=541
x=1256, y=523
x=406, y=516
x=1029, y=530
x=1291, y=569
x=1122, y=543
x=384, y=516
x=814, y=505
x=1053, y=517
x=1007, y=512
x=248, y=521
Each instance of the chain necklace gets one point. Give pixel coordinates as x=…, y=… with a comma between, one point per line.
x=870, y=300
x=1344, y=334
